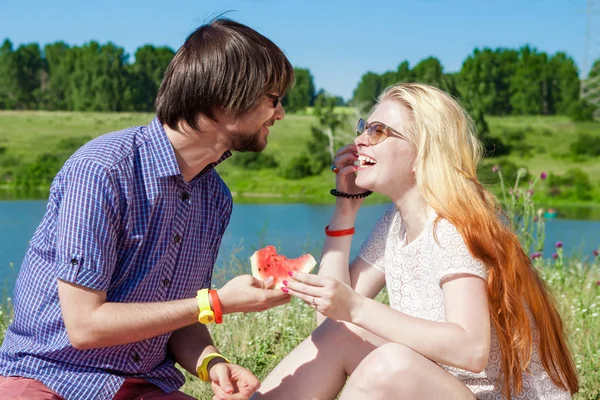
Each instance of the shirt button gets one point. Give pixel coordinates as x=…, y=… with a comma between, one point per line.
x=135, y=357
x=177, y=238
x=184, y=196
x=74, y=261
x=166, y=282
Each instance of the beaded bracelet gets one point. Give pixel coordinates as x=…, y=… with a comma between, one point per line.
x=334, y=192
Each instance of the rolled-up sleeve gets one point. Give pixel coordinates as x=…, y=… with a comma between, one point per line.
x=87, y=226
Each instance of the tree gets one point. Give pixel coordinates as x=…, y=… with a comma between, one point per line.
x=30, y=65
x=303, y=92
x=404, y=73
x=146, y=75
x=564, y=81
x=486, y=75
x=320, y=149
x=530, y=86
x=8, y=76
x=322, y=146
x=58, y=69
x=367, y=91
x=99, y=78
x=431, y=72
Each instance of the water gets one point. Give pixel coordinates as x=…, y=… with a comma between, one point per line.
x=293, y=228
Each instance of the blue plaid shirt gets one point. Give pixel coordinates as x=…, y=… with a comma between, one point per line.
x=120, y=219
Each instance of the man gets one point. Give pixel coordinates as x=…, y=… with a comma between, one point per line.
x=107, y=299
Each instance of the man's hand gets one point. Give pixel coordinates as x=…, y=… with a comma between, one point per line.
x=232, y=382
x=245, y=293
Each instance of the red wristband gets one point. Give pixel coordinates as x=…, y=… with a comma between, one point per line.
x=216, y=303
x=341, y=232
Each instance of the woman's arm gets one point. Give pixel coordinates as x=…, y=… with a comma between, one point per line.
x=462, y=341
x=363, y=278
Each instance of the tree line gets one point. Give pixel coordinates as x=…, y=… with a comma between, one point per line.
x=496, y=82
x=100, y=77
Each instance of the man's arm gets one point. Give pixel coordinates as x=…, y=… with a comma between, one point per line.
x=189, y=346
x=92, y=322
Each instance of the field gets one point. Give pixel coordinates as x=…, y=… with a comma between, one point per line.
x=543, y=146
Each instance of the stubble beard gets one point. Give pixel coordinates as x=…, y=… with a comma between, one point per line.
x=248, y=142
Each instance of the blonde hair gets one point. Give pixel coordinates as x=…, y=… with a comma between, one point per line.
x=448, y=153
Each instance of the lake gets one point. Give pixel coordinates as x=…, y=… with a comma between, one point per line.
x=293, y=228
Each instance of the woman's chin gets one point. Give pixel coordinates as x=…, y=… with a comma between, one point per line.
x=364, y=184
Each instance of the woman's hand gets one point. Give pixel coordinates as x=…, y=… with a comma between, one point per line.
x=344, y=163
x=328, y=296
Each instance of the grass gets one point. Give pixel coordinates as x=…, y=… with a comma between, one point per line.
x=26, y=135
x=260, y=341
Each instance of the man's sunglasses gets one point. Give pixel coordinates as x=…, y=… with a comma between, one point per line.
x=275, y=99
x=377, y=132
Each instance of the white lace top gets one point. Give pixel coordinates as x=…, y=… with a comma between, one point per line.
x=413, y=274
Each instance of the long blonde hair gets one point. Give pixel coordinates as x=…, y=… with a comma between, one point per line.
x=448, y=153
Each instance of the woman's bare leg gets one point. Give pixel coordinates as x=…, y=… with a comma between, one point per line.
x=394, y=371
x=317, y=369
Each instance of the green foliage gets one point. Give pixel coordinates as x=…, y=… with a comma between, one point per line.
x=298, y=167
x=507, y=168
x=99, y=77
x=486, y=76
x=492, y=82
x=91, y=77
x=303, y=92
x=582, y=111
x=586, y=145
x=254, y=160
x=517, y=143
x=574, y=184
x=145, y=76
x=367, y=91
x=46, y=165
x=321, y=147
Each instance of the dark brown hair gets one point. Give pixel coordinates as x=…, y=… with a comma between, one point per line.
x=224, y=66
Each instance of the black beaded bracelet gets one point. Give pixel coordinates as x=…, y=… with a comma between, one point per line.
x=334, y=192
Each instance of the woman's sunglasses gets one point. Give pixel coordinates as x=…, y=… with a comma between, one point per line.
x=377, y=132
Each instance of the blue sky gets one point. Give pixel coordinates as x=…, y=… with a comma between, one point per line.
x=337, y=40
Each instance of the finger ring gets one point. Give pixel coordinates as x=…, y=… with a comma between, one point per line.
x=312, y=303
x=334, y=169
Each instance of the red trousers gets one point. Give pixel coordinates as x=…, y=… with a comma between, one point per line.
x=17, y=388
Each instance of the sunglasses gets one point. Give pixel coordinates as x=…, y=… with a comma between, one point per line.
x=377, y=132
x=275, y=99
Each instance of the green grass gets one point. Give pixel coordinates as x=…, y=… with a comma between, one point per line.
x=259, y=341
x=551, y=140
x=26, y=135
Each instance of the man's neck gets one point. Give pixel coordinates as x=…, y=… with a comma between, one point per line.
x=194, y=151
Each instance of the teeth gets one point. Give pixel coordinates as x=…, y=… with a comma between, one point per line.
x=366, y=159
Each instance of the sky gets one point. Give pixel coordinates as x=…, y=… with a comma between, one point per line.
x=337, y=40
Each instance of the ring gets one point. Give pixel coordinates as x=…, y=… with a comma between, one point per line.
x=312, y=303
x=334, y=169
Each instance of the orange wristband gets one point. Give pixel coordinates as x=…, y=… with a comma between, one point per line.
x=216, y=303
x=341, y=232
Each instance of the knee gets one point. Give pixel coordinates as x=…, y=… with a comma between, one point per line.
x=390, y=367
x=337, y=331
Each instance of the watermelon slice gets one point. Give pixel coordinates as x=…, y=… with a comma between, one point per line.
x=266, y=262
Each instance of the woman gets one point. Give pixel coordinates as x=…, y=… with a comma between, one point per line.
x=469, y=317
